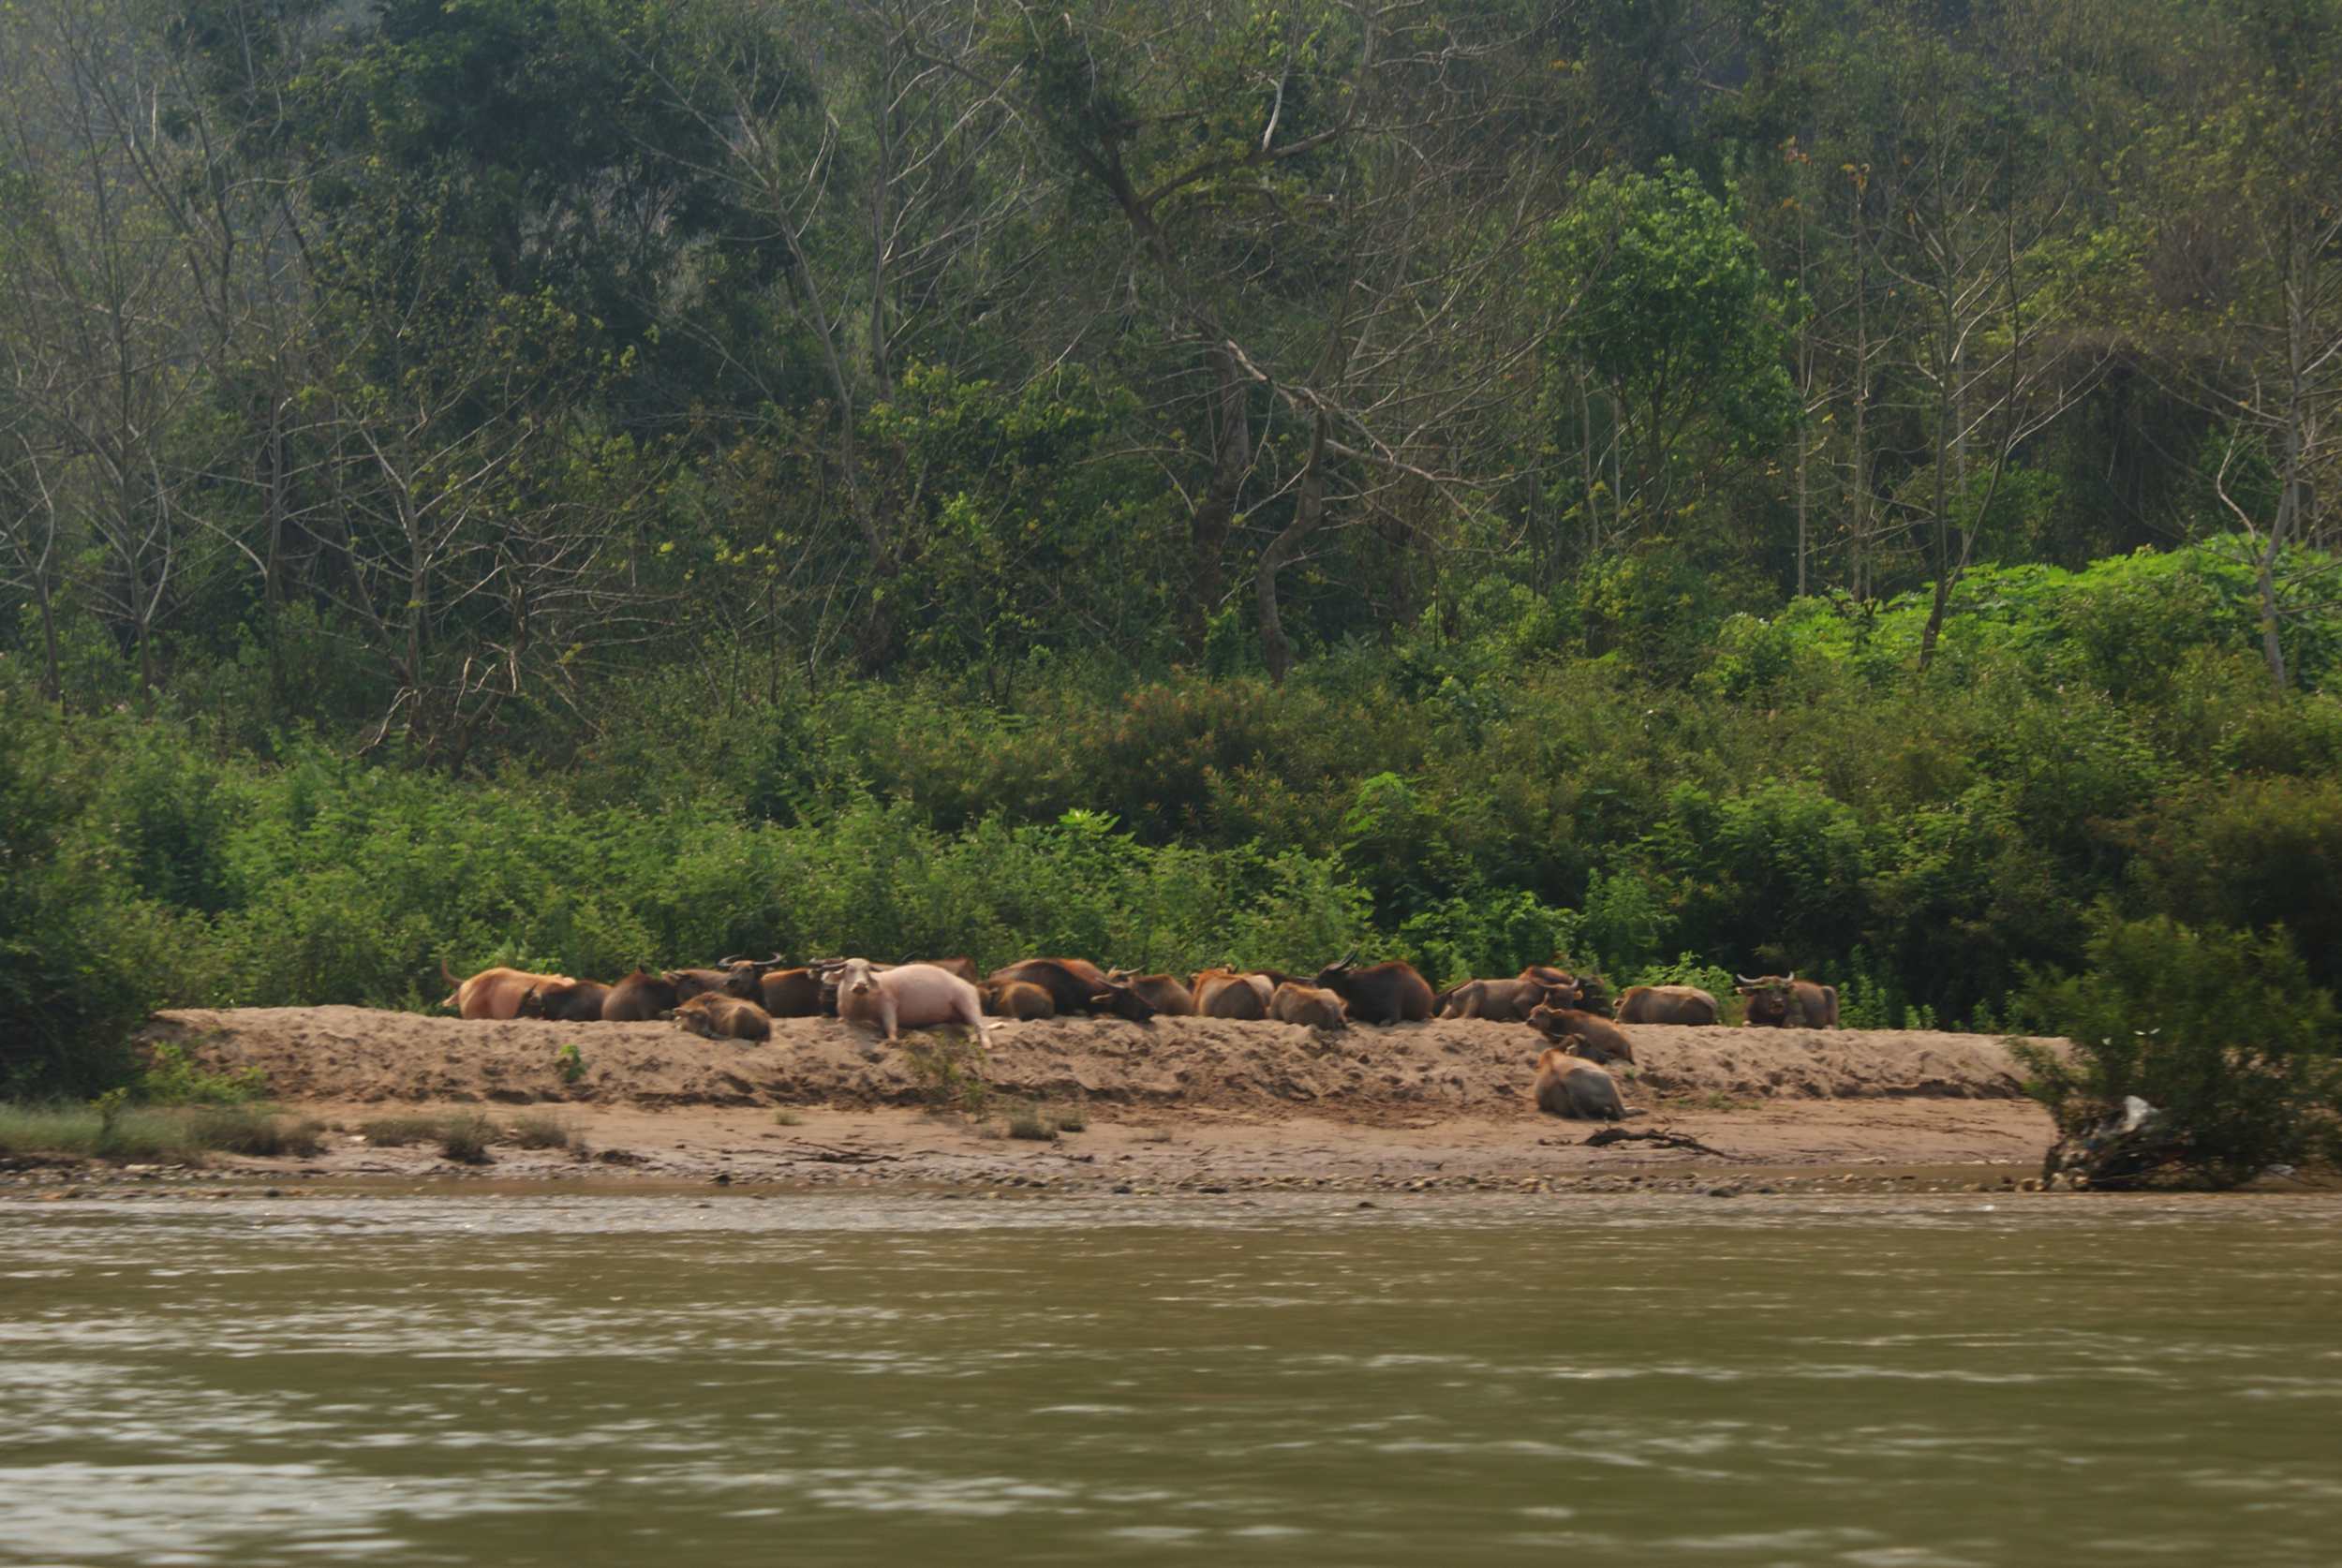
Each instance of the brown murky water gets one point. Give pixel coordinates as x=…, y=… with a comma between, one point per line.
x=1889, y=1383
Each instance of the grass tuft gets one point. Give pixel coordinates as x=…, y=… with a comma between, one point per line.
x=539, y=1131
x=1033, y=1124
x=464, y=1138
x=1071, y=1118
x=398, y=1131
x=787, y=1118
x=253, y=1130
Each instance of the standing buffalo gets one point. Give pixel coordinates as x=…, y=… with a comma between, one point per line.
x=910, y=996
x=639, y=997
x=1226, y=994
x=1077, y=985
x=1383, y=994
x=1572, y=1087
x=722, y=1018
x=1291, y=1003
x=1596, y=1038
x=578, y=1001
x=494, y=993
x=1666, y=1004
x=1786, y=1003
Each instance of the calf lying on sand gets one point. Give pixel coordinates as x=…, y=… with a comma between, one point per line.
x=722, y=1018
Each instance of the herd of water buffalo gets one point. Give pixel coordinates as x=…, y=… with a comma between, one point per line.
x=737, y=998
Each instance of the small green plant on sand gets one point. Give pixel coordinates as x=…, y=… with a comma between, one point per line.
x=1071, y=1118
x=569, y=1062
x=787, y=1118
x=949, y=1071
x=171, y=1079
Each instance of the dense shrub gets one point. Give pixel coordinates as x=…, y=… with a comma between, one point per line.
x=2222, y=1031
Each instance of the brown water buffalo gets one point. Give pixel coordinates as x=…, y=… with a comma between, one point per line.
x=721, y=1017
x=1164, y=993
x=1380, y=994
x=494, y=993
x=1292, y=1003
x=1077, y=985
x=791, y=993
x=1229, y=994
x=1665, y=1004
x=639, y=997
x=908, y=996
x=1016, y=998
x=1572, y=1087
x=1502, y=1002
x=1596, y=1038
x=577, y=1002
x=964, y=967
x=737, y=981
x=1786, y=1003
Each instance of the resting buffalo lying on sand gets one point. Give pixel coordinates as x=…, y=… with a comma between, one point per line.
x=1380, y=994
x=577, y=1002
x=1665, y=1004
x=1077, y=985
x=1785, y=1001
x=494, y=993
x=722, y=1017
x=1503, y=1001
x=639, y=997
x=1164, y=993
x=1227, y=994
x=1015, y=998
x=1573, y=1087
x=1596, y=1038
x=1291, y=1003
x=909, y=997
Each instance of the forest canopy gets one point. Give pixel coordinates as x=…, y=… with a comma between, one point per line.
x=1837, y=484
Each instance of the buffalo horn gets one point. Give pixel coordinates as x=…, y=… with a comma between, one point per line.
x=1744, y=979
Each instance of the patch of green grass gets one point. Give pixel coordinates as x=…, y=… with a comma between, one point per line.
x=788, y=1118
x=539, y=1131
x=1071, y=1118
x=569, y=1062
x=253, y=1130
x=1033, y=1124
x=171, y=1079
x=950, y=1073
x=464, y=1138
x=398, y=1131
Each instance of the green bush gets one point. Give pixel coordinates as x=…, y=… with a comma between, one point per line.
x=2222, y=1032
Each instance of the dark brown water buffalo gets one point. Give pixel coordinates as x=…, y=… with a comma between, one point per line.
x=1077, y=985
x=1572, y=1087
x=1382, y=994
x=1665, y=1004
x=1596, y=1038
x=494, y=993
x=1016, y=998
x=639, y=997
x=721, y=1017
x=1786, y=1003
x=793, y=993
x=906, y=997
x=1503, y=1001
x=737, y=981
x=1227, y=994
x=579, y=1001
x=1164, y=993
x=1294, y=1003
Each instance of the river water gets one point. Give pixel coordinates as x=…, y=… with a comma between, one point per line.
x=1889, y=1383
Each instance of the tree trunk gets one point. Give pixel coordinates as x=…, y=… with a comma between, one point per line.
x=1309, y=504
x=1208, y=529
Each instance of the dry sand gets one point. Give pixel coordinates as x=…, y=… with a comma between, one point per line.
x=1177, y=1104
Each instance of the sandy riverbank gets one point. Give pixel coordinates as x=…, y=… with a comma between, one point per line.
x=1178, y=1104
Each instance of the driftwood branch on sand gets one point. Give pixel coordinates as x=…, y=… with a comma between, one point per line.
x=1659, y=1135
